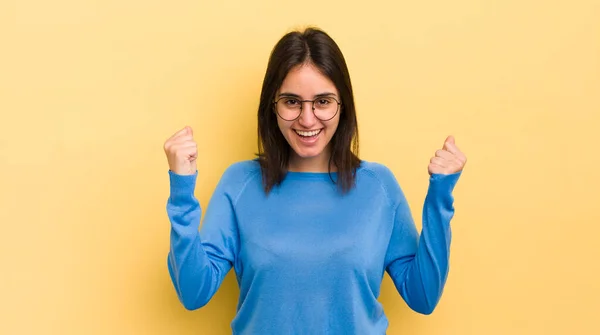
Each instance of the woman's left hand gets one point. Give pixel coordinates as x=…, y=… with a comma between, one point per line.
x=447, y=160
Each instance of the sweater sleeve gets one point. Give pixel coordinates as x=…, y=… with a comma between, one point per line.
x=418, y=265
x=198, y=260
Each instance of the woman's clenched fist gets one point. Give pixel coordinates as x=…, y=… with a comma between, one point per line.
x=182, y=152
x=447, y=160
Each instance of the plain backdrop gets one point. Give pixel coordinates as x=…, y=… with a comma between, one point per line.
x=90, y=90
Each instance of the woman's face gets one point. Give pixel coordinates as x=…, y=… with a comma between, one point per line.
x=308, y=136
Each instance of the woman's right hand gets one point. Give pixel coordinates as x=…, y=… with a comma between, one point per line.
x=182, y=152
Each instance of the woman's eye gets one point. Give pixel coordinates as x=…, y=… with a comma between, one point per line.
x=323, y=102
x=291, y=102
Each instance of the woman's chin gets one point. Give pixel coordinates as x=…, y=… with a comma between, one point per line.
x=308, y=154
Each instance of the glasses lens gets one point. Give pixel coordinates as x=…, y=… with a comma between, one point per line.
x=325, y=108
x=288, y=108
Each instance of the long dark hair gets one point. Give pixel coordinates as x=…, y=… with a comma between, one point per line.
x=316, y=47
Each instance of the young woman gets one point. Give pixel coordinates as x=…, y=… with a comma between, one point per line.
x=308, y=227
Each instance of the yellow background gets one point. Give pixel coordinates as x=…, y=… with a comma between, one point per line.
x=89, y=91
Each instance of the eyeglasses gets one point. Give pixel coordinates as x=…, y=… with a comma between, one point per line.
x=290, y=108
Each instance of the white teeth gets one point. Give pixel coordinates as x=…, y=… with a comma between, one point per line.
x=308, y=133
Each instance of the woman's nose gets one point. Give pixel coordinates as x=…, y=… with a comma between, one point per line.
x=307, y=116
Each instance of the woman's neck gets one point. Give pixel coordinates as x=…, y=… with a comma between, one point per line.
x=319, y=163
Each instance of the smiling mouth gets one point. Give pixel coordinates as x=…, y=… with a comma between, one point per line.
x=308, y=134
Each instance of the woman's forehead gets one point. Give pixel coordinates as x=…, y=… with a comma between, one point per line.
x=307, y=81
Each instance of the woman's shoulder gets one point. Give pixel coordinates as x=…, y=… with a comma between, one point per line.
x=376, y=172
x=240, y=172
x=379, y=170
x=243, y=166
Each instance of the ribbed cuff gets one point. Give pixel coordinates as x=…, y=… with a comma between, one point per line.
x=444, y=182
x=182, y=186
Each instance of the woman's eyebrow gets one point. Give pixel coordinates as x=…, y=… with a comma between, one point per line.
x=288, y=94
x=294, y=95
x=325, y=94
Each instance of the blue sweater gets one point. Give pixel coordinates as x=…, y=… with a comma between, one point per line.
x=309, y=260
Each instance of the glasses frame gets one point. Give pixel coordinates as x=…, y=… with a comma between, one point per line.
x=302, y=107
